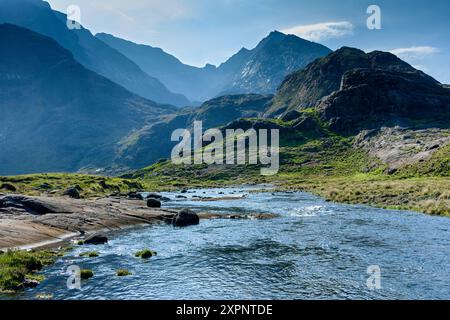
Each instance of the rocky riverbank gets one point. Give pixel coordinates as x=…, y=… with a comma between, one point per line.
x=33, y=222
x=28, y=222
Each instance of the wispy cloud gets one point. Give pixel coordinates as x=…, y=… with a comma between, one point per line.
x=322, y=31
x=414, y=53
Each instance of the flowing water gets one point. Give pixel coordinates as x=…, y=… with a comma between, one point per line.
x=314, y=250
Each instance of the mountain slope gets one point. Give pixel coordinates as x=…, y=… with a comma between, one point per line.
x=195, y=83
x=153, y=142
x=92, y=53
x=305, y=88
x=56, y=115
x=354, y=91
x=371, y=98
x=351, y=90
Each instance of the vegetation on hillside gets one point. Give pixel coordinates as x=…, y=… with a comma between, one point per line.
x=56, y=183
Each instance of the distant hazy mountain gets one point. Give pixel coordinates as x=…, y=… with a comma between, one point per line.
x=56, y=115
x=195, y=83
x=260, y=70
x=92, y=53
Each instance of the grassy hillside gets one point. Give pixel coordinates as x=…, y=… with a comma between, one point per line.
x=56, y=183
x=327, y=165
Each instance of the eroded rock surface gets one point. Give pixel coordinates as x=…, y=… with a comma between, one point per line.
x=397, y=147
x=31, y=220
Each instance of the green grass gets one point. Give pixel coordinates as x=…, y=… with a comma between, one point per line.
x=57, y=183
x=18, y=266
x=328, y=167
x=437, y=166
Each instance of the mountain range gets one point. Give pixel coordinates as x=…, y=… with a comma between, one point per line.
x=71, y=101
x=92, y=53
x=260, y=70
x=158, y=76
x=342, y=94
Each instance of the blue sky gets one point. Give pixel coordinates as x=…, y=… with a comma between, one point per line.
x=210, y=31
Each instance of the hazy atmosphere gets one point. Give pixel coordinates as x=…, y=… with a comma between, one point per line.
x=202, y=31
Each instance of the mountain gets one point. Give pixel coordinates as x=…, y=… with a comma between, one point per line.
x=305, y=88
x=344, y=93
x=354, y=128
x=56, y=115
x=195, y=83
x=152, y=142
x=92, y=53
x=260, y=70
x=351, y=90
x=373, y=98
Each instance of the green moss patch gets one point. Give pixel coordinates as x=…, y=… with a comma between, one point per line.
x=91, y=254
x=123, y=273
x=145, y=254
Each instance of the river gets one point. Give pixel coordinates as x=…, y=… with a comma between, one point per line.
x=313, y=250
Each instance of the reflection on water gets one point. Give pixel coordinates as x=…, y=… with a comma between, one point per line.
x=315, y=250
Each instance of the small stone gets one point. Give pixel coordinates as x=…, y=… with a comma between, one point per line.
x=135, y=196
x=72, y=193
x=8, y=187
x=96, y=239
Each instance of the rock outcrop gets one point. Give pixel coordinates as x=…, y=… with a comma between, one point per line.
x=351, y=91
x=33, y=221
x=307, y=87
x=370, y=98
x=96, y=239
x=397, y=147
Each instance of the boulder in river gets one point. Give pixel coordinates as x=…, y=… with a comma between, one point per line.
x=185, y=218
x=153, y=203
x=96, y=239
x=73, y=193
